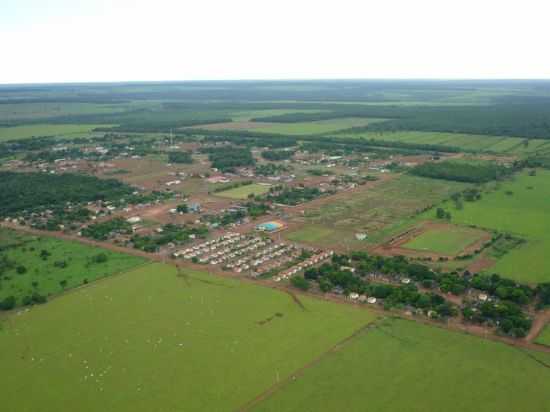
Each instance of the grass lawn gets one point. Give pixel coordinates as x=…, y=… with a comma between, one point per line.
x=402, y=366
x=153, y=340
x=448, y=240
x=44, y=275
x=522, y=207
x=544, y=337
x=321, y=126
x=309, y=233
x=25, y=132
x=242, y=192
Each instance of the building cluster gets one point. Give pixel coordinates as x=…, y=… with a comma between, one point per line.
x=313, y=260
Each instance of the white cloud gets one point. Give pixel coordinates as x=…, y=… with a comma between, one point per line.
x=171, y=40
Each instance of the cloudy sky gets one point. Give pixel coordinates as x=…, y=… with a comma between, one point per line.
x=119, y=40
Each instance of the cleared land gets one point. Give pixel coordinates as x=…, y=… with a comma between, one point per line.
x=68, y=262
x=401, y=366
x=24, y=132
x=151, y=340
x=378, y=211
x=544, y=337
x=242, y=192
x=468, y=142
x=318, y=127
x=309, y=234
x=299, y=128
x=449, y=240
x=522, y=207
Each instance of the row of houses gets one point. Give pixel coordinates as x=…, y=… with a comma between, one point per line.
x=313, y=260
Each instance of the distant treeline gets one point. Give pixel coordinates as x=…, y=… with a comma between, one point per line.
x=530, y=120
x=469, y=172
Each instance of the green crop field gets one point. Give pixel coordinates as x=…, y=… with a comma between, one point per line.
x=450, y=240
x=401, y=366
x=378, y=211
x=155, y=340
x=242, y=192
x=468, y=142
x=309, y=233
x=246, y=116
x=544, y=337
x=317, y=127
x=521, y=207
x=70, y=262
x=24, y=132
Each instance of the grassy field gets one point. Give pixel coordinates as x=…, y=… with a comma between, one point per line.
x=242, y=192
x=43, y=275
x=401, y=366
x=153, y=340
x=309, y=233
x=378, y=211
x=446, y=240
x=246, y=116
x=544, y=337
x=33, y=111
x=521, y=207
x=482, y=143
x=25, y=132
x=318, y=127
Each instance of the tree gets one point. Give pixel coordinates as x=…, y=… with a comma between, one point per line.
x=300, y=283
x=8, y=303
x=440, y=213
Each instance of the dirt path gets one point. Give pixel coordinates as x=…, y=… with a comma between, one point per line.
x=541, y=320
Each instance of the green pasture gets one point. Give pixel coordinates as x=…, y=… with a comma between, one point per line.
x=69, y=262
x=36, y=130
x=156, y=340
x=242, y=192
x=309, y=233
x=246, y=116
x=450, y=240
x=317, y=127
x=520, y=206
x=467, y=142
x=402, y=366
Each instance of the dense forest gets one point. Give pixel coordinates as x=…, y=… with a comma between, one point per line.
x=35, y=191
x=469, y=172
x=227, y=158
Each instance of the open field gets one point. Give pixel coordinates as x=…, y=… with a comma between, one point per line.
x=468, y=142
x=522, y=207
x=299, y=128
x=400, y=366
x=309, y=234
x=449, y=240
x=153, y=340
x=318, y=127
x=19, y=112
x=544, y=337
x=378, y=211
x=246, y=116
x=24, y=132
x=242, y=192
x=70, y=262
